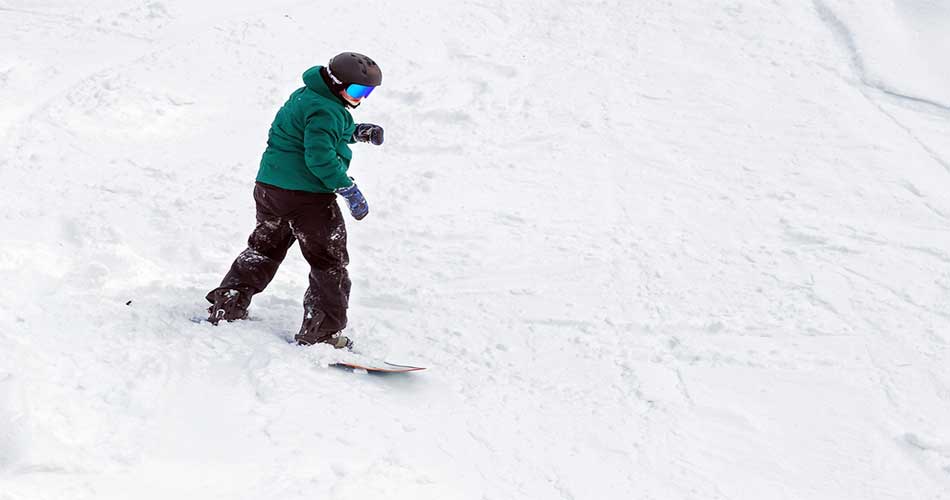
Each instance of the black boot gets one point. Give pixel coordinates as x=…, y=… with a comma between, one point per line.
x=228, y=304
x=337, y=340
x=316, y=330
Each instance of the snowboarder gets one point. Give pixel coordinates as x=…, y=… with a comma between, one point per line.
x=302, y=171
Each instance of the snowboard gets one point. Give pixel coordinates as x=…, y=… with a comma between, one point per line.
x=376, y=366
x=371, y=365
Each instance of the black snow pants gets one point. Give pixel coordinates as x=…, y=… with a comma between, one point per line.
x=315, y=221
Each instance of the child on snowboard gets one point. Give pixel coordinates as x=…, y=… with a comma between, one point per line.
x=302, y=171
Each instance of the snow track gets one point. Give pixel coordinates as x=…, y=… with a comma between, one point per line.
x=647, y=250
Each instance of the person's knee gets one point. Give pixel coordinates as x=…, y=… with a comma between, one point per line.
x=270, y=239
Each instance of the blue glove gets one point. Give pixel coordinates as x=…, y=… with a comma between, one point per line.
x=358, y=206
x=367, y=132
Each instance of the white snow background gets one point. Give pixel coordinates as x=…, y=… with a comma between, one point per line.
x=648, y=250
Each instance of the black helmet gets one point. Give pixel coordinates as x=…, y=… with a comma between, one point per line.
x=350, y=67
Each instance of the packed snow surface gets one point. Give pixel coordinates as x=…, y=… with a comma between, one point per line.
x=678, y=249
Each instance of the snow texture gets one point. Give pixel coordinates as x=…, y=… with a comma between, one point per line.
x=663, y=249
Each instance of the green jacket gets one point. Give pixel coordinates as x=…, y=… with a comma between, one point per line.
x=308, y=143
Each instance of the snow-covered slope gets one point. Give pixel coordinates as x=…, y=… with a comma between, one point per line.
x=659, y=249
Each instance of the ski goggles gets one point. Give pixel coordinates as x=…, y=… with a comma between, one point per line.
x=357, y=91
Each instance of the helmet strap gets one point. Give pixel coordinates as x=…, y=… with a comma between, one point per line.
x=332, y=77
x=335, y=86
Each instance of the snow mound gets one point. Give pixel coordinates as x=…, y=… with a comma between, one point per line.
x=899, y=46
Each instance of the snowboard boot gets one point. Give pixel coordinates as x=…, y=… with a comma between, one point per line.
x=228, y=304
x=337, y=340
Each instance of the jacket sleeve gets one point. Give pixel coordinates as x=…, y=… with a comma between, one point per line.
x=320, y=137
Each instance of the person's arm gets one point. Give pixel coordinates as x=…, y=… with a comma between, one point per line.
x=320, y=137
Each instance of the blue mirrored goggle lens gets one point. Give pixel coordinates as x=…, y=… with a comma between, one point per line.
x=357, y=91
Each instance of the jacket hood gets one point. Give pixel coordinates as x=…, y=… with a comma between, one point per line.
x=314, y=82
